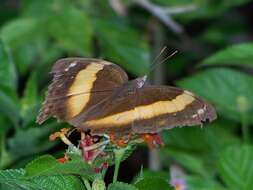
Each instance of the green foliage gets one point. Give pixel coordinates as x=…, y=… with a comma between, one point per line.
x=47, y=165
x=153, y=183
x=8, y=74
x=235, y=167
x=233, y=87
x=215, y=61
x=16, y=178
x=111, y=33
x=239, y=55
x=121, y=186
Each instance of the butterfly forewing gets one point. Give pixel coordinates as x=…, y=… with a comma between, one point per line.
x=79, y=84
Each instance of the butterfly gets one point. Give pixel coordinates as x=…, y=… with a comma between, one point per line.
x=95, y=95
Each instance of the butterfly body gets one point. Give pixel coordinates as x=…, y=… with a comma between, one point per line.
x=96, y=95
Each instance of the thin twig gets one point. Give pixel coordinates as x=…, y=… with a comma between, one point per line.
x=161, y=14
x=179, y=9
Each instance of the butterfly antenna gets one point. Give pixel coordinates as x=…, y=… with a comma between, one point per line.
x=154, y=64
x=157, y=57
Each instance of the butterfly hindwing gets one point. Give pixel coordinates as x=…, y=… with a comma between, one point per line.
x=149, y=110
x=169, y=107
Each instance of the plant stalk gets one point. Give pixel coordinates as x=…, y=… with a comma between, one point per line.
x=118, y=153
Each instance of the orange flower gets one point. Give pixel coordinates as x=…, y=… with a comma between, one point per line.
x=62, y=135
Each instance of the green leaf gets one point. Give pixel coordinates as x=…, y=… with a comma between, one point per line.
x=57, y=182
x=236, y=167
x=190, y=162
x=153, y=183
x=121, y=186
x=160, y=174
x=241, y=54
x=185, y=138
x=200, y=183
x=198, y=150
x=8, y=76
x=9, y=105
x=214, y=136
x=20, y=31
x=29, y=101
x=124, y=46
x=13, y=178
x=203, y=9
x=72, y=30
x=235, y=96
x=32, y=140
x=47, y=165
x=45, y=8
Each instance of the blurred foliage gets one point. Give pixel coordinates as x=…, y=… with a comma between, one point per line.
x=215, y=61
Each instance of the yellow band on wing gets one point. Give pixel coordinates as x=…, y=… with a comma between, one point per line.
x=143, y=112
x=83, y=82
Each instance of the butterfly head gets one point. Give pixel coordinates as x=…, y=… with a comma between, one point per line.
x=141, y=81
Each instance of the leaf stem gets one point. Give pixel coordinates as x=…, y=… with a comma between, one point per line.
x=86, y=183
x=118, y=153
x=245, y=128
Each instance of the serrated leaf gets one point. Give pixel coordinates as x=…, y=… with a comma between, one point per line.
x=121, y=186
x=151, y=183
x=241, y=54
x=126, y=46
x=8, y=76
x=58, y=182
x=235, y=167
x=47, y=165
x=15, y=178
x=233, y=87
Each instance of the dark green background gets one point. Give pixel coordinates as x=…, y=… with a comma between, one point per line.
x=215, y=60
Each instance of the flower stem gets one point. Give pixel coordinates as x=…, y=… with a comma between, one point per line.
x=118, y=153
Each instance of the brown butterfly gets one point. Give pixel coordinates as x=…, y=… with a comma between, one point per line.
x=96, y=95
